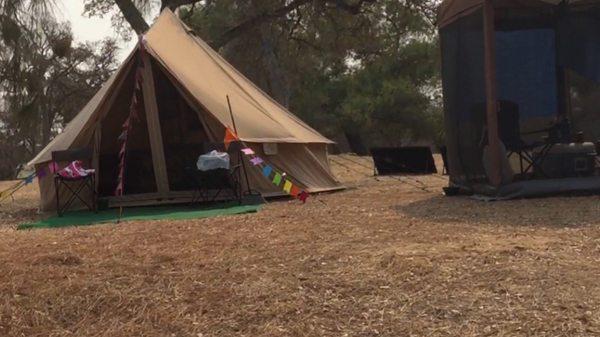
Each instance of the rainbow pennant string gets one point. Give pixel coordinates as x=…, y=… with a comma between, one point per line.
x=277, y=178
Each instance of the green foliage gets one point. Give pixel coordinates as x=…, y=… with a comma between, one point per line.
x=391, y=96
x=375, y=71
x=44, y=81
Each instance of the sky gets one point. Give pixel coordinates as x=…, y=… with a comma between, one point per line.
x=89, y=29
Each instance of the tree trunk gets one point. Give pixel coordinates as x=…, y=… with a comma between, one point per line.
x=133, y=15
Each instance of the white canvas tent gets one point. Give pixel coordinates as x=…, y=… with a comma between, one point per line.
x=184, y=102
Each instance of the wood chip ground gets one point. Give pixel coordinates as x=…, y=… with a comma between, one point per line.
x=386, y=257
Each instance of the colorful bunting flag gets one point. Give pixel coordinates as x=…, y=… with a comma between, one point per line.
x=287, y=186
x=267, y=171
x=53, y=167
x=230, y=136
x=41, y=173
x=123, y=135
x=277, y=179
x=119, y=189
x=303, y=196
x=29, y=179
x=294, y=191
x=248, y=151
x=256, y=161
x=127, y=126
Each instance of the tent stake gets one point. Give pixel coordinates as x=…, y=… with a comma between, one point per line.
x=120, y=214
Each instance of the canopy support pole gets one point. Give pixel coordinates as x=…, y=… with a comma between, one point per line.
x=489, y=37
x=240, y=157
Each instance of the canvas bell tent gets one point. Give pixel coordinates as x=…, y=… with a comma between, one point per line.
x=514, y=76
x=184, y=84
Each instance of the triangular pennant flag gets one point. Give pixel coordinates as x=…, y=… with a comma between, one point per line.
x=123, y=135
x=29, y=179
x=119, y=189
x=230, y=136
x=41, y=173
x=256, y=161
x=294, y=191
x=277, y=179
x=287, y=186
x=53, y=167
x=248, y=151
x=303, y=196
x=267, y=171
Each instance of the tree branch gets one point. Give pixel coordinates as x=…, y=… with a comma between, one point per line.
x=133, y=15
x=257, y=20
x=232, y=33
x=173, y=4
x=352, y=8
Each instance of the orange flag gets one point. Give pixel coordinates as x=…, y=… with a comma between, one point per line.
x=230, y=136
x=294, y=191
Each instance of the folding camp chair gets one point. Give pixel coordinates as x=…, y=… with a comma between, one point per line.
x=75, y=186
x=509, y=129
x=531, y=155
x=218, y=180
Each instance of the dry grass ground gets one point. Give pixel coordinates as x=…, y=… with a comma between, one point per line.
x=383, y=258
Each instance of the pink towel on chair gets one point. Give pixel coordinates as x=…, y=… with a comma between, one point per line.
x=75, y=170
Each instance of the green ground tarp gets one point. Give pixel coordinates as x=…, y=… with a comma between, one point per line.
x=79, y=218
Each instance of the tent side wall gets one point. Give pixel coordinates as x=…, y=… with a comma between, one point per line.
x=305, y=164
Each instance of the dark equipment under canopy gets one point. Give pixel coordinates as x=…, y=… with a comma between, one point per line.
x=520, y=79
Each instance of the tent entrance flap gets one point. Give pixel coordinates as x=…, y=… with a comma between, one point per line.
x=183, y=130
x=139, y=171
x=182, y=135
x=154, y=129
x=463, y=82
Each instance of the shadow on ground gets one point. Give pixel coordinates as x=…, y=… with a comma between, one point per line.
x=547, y=212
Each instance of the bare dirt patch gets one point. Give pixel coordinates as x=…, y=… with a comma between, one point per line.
x=387, y=257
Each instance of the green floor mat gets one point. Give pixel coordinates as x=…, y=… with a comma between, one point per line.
x=80, y=218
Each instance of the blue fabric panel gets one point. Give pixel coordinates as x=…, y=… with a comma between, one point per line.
x=526, y=70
